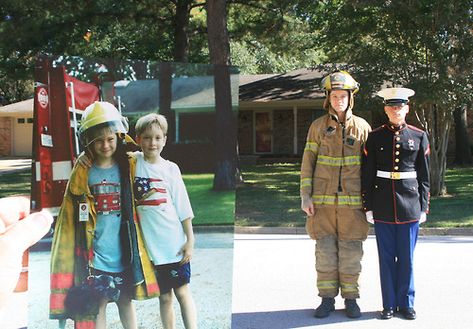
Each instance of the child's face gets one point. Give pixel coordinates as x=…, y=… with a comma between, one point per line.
x=397, y=113
x=105, y=146
x=152, y=141
x=339, y=100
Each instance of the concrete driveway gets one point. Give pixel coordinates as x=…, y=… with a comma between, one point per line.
x=14, y=164
x=211, y=286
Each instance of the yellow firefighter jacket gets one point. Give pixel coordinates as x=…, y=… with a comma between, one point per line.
x=70, y=256
x=331, y=163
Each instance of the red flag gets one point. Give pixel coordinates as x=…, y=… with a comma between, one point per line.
x=84, y=93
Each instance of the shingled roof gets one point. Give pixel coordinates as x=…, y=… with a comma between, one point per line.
x=301, y=84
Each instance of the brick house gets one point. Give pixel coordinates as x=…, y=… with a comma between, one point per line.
x=275, y=112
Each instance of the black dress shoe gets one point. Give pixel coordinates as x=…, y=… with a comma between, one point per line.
x=408, y=313
x=387, y=313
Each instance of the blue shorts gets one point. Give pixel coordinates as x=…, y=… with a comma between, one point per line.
x=172, y=276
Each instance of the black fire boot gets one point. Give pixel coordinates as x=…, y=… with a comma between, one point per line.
x=352, y=310
x=324, y=309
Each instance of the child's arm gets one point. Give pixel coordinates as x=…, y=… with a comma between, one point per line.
x=187, y=249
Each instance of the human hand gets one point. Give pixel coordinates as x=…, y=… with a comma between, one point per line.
x=84, y=160
x=186, y=251
x=308, y=206
x=423, y=217
x=369, y=217
x=15, y=237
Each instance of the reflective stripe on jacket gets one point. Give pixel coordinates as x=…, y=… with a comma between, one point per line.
x=331, y=163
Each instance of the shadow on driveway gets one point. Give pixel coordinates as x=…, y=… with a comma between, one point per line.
x=292, y=319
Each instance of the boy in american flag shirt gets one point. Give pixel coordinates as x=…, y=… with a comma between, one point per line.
x=165, y=215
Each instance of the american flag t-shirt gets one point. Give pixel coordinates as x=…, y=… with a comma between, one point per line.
x=143, y=188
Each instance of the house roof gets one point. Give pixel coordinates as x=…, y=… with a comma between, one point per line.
x=301, y=84
x=23, y=108
x=197, y=93
x=189, y=94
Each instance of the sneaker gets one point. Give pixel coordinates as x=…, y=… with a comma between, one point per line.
x=352, y=310
x=324, y=309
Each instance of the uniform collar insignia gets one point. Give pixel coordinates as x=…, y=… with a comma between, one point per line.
x=396, y=127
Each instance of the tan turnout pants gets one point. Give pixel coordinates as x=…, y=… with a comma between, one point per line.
x=339, y=233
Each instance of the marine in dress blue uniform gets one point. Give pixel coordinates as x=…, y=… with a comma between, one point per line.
x=395, y=193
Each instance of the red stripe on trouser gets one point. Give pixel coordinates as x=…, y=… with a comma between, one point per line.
x=56, y=301
x=62, y=280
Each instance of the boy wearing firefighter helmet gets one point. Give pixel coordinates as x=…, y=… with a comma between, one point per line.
x=96, y=231
x=331, y=194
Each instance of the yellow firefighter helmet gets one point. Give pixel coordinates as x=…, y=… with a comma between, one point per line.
x=340, y=80
x=100, y=115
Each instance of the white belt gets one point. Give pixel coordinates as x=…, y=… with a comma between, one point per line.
x=396, y=175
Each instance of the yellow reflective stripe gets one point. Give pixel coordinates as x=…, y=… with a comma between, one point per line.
x=327, y=284
x=329, y=161
x=349, y=287
x=345, y=200
x=323, y=199
x=311, y=146
x=351, y=160
x=350, y=200
x=306, y=182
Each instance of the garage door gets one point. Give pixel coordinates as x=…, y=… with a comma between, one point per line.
x=22, y=137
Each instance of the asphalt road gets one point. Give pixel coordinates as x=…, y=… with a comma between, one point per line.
x=274, y=285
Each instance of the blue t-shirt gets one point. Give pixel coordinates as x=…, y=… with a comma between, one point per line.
x=104, y=184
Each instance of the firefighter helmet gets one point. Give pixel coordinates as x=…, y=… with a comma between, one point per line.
x=100, y=115
x=340, y=80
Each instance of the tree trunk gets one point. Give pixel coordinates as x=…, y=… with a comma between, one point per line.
x=225, y=170
x=181, y=35
x=436, y=122
x=219, y=50
x=462, y=140
x=165, y=98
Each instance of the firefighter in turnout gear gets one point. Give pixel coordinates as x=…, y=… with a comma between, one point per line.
x=395, y=185
x=331, y=194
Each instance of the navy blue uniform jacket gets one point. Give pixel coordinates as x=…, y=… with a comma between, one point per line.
x=396, y=149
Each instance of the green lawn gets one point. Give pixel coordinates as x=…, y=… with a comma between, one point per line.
x=15, y=183
x=210, y=208
x=270, y=197
x=456, y=210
